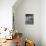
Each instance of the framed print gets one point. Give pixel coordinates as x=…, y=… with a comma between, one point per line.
x=29, y=19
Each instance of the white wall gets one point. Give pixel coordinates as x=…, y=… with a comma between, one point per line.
x=6, y=13
x=43, y=22
x=29, y=31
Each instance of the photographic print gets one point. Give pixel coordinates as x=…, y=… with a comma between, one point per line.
x=29, y=19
